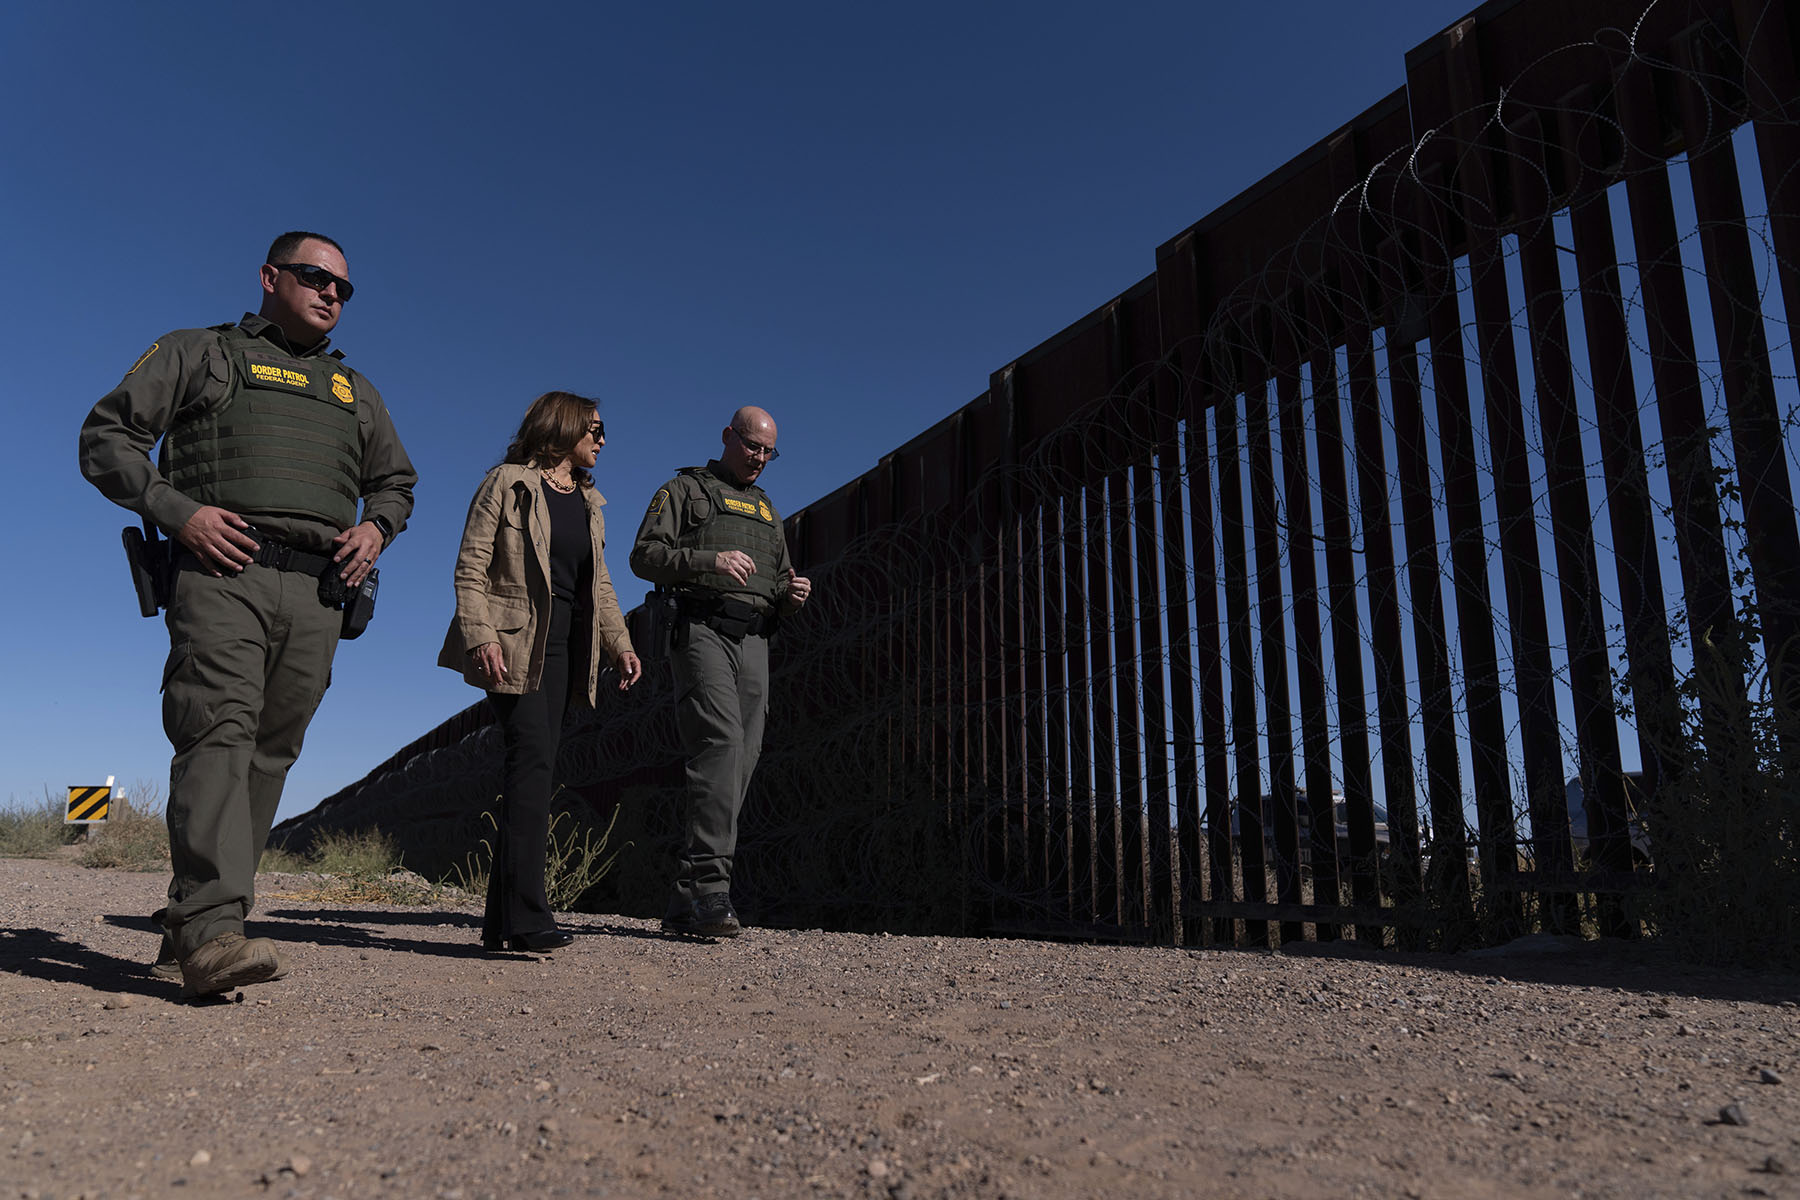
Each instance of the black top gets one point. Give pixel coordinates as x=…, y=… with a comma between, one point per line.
x=571, y=549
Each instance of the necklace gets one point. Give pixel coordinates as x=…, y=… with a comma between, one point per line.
x=565, y=486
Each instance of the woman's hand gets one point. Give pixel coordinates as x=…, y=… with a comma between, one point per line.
x=489, y=662
x=630, y=670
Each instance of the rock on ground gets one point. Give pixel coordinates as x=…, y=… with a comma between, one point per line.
x=399, y=1060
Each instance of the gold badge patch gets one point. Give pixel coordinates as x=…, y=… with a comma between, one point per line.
x=340, y=387
x=763, y=507
x=146, y=358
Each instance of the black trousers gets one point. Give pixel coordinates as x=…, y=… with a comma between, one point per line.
x=531, y=730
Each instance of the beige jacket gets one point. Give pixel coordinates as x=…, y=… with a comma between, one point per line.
x=503, y=587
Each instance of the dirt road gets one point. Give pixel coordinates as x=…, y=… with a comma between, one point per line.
x=398, y=1060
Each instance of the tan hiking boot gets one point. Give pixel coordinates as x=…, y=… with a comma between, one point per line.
x=229, y=961
x=168, y=963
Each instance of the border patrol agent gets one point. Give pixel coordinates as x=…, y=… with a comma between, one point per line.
x=713, y=544
x=269, y=441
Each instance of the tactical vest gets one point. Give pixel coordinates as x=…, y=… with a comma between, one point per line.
x=739, y=519
x=283, y=441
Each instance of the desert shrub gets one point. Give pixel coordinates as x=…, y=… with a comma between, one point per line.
x=281, y=860
x=577, y=858
x=135, y=835
x=33, y=831
x=360, y=854
x=1723, y=827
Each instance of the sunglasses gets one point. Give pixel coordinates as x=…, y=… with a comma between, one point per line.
x=756, y=448
x=318, y=279
x=597, y=431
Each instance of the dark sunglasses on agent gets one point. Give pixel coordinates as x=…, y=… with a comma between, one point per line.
x=318, y=279
x=769, y=453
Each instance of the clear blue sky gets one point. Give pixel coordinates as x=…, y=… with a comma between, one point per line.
x=848, y=214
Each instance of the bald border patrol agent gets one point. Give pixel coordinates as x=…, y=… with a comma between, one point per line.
x=713, y=543
x=270, y=442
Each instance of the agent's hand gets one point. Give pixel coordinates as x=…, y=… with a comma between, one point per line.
x=799, y=587
x=218, y=539
x=735, y=563
x=358, y=548
x=630, y=670
x=489, y=663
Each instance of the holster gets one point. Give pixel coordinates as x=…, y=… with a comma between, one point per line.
x=147, y=554
x=359, y=606
x=728, y=616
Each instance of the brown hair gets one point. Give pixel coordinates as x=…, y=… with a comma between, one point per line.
x=283, y=248
x=553, y=424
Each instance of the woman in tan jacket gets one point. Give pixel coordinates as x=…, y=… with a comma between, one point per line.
x=535, y=610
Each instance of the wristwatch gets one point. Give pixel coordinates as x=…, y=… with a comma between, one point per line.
x=381, y=523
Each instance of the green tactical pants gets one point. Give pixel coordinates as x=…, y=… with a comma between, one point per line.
x=721, y=698
x=249, y=660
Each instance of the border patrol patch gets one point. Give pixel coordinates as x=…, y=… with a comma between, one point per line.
x=340, y=387
x=656, y=501
x=763, y=507
x=145, y=357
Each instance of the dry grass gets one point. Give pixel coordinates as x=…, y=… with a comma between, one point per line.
x=357, y=867
x=34, y=832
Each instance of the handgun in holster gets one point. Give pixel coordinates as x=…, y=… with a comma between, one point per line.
x=147, y=553
x=357, y=603
x=667, y=607
x=359, y=606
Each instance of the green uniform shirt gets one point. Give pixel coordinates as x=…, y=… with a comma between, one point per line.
x=186, y=372
x=663, y=553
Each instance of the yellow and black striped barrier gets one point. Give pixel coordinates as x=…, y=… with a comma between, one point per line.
x=88, y=805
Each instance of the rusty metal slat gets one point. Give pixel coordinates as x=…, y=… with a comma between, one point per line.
x=1315, y=734
x=1341, y=257
x=1680, y=400
x=1443, y=771
x=1207, y=641
x=1249, y=823
x=997, y=607
x=1151, y=599
x=964, y=621
x=1393, y=721
x=1532, y=672
x=1431, y=648
x=1771, y=536
x=1103, y=833
x=1183, y=737
x=1126, y=815
x=1051, y=855
x=1584, y=617
x=1177, y=302
x=1077, y=620
x=1346, y=634
x=1637, y=557
x=1766, y=37
x=1010, y=708
x=1278, y=721
x=1497, y=836
x=1033, y=704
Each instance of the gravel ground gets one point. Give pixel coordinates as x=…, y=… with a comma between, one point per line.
x=398, y=1060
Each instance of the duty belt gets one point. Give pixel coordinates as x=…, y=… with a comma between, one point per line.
x=283, y=557
x=727, y=616
x=270, y=553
